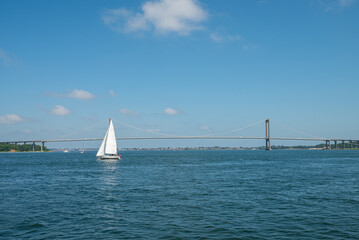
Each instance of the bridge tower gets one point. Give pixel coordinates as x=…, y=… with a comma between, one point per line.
x=268, y=146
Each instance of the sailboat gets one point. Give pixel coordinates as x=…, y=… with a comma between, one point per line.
x=108, y=148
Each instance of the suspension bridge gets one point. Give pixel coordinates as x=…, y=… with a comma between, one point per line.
x=267, y=138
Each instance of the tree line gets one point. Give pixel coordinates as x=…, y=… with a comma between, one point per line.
x=322, y=145
x=7, y=147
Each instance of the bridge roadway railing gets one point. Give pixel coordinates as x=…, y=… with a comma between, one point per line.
x=183, y=137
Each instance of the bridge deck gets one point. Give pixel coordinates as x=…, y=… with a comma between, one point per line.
x=183, y=137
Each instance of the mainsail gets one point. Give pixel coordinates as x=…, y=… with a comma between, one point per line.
x=108, y=145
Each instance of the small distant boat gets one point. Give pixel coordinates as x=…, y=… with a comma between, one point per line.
x=108, y=148
x=83, y=150
x=66, y=151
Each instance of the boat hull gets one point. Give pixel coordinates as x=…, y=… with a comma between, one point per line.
x=109, y=157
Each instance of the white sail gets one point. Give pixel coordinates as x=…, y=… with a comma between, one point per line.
x=101, y=151
x=108, y=148
x=110, y=145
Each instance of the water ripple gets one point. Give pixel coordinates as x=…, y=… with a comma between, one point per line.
x=181, y=195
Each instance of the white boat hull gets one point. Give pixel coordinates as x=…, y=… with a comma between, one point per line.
x=109, y=157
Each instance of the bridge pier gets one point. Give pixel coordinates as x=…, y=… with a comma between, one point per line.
x=351, y=144
x=336, y=144
x=15, y=144
x=268, y=144
x=343, y=145
x=33, y=146
x=42, y=146
x=328, y=145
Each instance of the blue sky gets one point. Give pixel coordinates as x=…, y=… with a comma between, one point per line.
x=178, y=67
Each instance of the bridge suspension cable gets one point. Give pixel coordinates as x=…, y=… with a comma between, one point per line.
x=82, y=130
x=173, y=135
x=159, y=133
x=295, y=131
x=234, y=130
x=242, y=128
x=145, y=130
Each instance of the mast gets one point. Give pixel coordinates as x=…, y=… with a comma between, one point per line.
x=111, y=146
x=108, y=145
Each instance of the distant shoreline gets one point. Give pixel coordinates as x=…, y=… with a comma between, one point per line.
x=25, y=151
x=182, y=149
x=215, y=148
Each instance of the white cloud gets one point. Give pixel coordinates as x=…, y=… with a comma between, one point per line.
x=206, y=128
x=80, y=94
x=262, y=2
x=5, y=59
x=333, y=5
x=164, y=16
x=11, y=119
x=112, y=93
x=170, y=111
x=345, y=3
x=219, y=38
x=126, y=111
x=226, y=38
x=55, y=95
x=216, y=37
x=60, y=110
x=76, y=93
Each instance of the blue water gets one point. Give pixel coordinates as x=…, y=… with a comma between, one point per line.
x=181, y=195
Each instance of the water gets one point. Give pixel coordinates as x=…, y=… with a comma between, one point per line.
x=181, y=195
